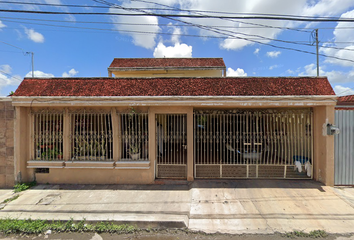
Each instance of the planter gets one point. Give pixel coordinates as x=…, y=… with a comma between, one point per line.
x=135, y=156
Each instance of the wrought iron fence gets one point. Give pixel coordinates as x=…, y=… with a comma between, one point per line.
x=91, y=135
x=252, y=143
x=134, y=136
x=47, y=135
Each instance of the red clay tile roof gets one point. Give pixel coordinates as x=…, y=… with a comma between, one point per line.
x=230, y=86
x=167, y=62
x=346, y=100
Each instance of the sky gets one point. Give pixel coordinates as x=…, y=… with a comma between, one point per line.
x=84, y=45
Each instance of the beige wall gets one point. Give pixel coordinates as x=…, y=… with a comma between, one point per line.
x=323, y=145
x=128, y=173
x=7, y=113
x=168, y=73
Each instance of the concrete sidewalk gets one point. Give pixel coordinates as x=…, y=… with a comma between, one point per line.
x=242, y=206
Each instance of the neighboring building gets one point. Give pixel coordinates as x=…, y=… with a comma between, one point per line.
x=344, y=142
x=172, y=118
x=345, y=103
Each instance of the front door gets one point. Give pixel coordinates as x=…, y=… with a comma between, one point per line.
x=171, y=146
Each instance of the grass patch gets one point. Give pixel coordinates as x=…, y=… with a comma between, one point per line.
x=11, y=199
x=312, y=234
x=29, y=226
x=19, y=187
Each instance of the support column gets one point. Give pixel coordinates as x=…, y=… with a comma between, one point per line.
x=323, y=145
x=66, y=136
x=21, y=146
x=152, y=140
x=190, y=145
x=116, y=134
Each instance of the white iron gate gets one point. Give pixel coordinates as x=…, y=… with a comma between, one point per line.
x=171, y=146
x=253, y=143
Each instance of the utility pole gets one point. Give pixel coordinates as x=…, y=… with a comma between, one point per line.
x=32, y=63
x=318, y=63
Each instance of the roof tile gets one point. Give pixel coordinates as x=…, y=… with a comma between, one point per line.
x=166, y=62
x=230, y=86
x=346, y=99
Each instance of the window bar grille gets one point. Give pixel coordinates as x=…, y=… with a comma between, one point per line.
x=91, y=136
x=134, y=136
x=48, y=135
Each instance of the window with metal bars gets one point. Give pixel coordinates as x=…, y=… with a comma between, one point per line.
x=47, y=135
x=91, y=135
x=134, y=136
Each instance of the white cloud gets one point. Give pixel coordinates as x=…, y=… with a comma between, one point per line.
x=67, y=17
x=289, y=71
x=238, y=40
x=176, y=35
x=71, y=73
x=2, y=25
x=178, y=50
x=139, y=39
x=5, y=69
x=343, y=38
x=273, y=54
x=273, y=67
x=256, y=51
x=327, y=7
x=40, y=74
x=6, y=79
x=240, y=37
x=333, y=76
x=239, y=72
x=342, y=91
x=34, y=36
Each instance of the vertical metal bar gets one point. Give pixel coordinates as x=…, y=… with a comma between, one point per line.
x=46, y=136
x=284, y=141
x=224, y=137
x=311, y=116
x=195, y=154
x=54, y=139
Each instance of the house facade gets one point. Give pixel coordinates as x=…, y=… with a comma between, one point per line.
x=173, y=118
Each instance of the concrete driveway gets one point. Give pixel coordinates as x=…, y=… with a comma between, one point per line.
x=226, y=206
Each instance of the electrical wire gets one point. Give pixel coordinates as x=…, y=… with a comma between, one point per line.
x=9, y=75
x=229, y=35
x=169, y=8
x=300, y=19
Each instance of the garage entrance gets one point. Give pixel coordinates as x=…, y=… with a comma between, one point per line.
x=259, y=143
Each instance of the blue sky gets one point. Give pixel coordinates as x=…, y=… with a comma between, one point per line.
x=74, y=46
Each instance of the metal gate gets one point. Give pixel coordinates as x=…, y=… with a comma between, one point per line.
x=171, y=146
x=271, y=143
x=344, y=148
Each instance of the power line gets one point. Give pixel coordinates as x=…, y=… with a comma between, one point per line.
x=199, y=12
x=189, y=35
x=217, y=31
x=9, y=75
x=149, y=24
x=176, y=25
x=301, y=19
x=13, y=46
x=169, y=8
x=24, y=53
